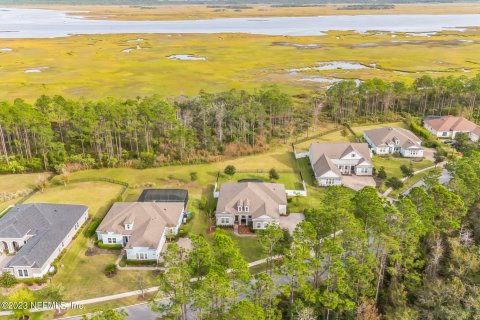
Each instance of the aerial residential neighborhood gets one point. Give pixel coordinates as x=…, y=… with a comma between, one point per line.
x=239, y=160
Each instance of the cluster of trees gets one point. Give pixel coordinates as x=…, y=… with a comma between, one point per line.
x=379, y=99
x=145, y=131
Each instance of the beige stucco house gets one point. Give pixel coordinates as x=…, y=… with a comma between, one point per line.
x=254, y=203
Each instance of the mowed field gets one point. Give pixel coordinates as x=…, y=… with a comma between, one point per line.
x=96, y=66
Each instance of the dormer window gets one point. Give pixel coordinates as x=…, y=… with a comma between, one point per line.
x=247, y=209
x=353, y=155
x=239, y=208
x=128, y=226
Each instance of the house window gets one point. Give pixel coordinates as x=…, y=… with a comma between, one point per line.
x=224, y=220
x=444, y=133
x=353, y=155
x=246, y=208
x=239, y=208
x=142, y=256
x=22, y=273
x=112, y=240
x=128, y=226
x=259, y=225
x=330, y=182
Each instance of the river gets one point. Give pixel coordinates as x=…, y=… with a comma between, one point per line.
x=41, y=23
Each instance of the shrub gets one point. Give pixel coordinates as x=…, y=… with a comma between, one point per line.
x=381, y=173
x=394, y=183
x=273, y=174
x=230, y=170
x=7, y=280
x=439, y=156
x=102, y=245
x=90, y=231
x=182, y=232
x=141, y=262
x=110, y=269
x=407, y=171
x=193, y=176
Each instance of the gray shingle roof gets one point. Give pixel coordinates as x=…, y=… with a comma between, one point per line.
x=48, y=224
x=387, y=135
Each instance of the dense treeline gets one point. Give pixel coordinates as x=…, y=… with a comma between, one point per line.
x=357, y=256
x=379, y=99
x=146, y=131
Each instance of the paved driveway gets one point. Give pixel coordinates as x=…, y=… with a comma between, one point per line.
x=358, y=182
x=428, y=154
x=290, y=222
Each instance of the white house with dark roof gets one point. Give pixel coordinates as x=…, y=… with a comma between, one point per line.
x=390, y=140
x=332, y=160
x=141, y=227
x=35, y=234
x=254, y=203
x=449, y=126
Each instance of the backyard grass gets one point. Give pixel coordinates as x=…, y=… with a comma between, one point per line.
x=81, y=65
x=291, y=180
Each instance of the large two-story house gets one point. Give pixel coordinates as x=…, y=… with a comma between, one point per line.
x=254, y=203
x=449, y=126
x=33, y=235
x=390, y=140
x=142, y=228
x=331, y=160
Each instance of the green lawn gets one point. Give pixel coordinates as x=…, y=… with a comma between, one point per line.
x=392, y=165
x=291, y=180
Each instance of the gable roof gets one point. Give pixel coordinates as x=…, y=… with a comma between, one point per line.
x=149, y=221
x=387, y=135
x=263, y=198
x=47, y=224
x=451, y=123
x=322, y=154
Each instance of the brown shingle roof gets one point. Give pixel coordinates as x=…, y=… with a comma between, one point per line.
x=385, y=136
x=451, y=123
x=264, y=198
x=149, y=221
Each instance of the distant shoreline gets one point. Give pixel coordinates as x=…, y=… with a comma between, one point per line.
x=185, y=11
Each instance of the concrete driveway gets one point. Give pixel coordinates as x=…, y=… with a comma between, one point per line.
x=428, y=154
x=358, y=182
x=290, y=222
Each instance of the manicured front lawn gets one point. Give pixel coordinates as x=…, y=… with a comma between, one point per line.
x=392, y=165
